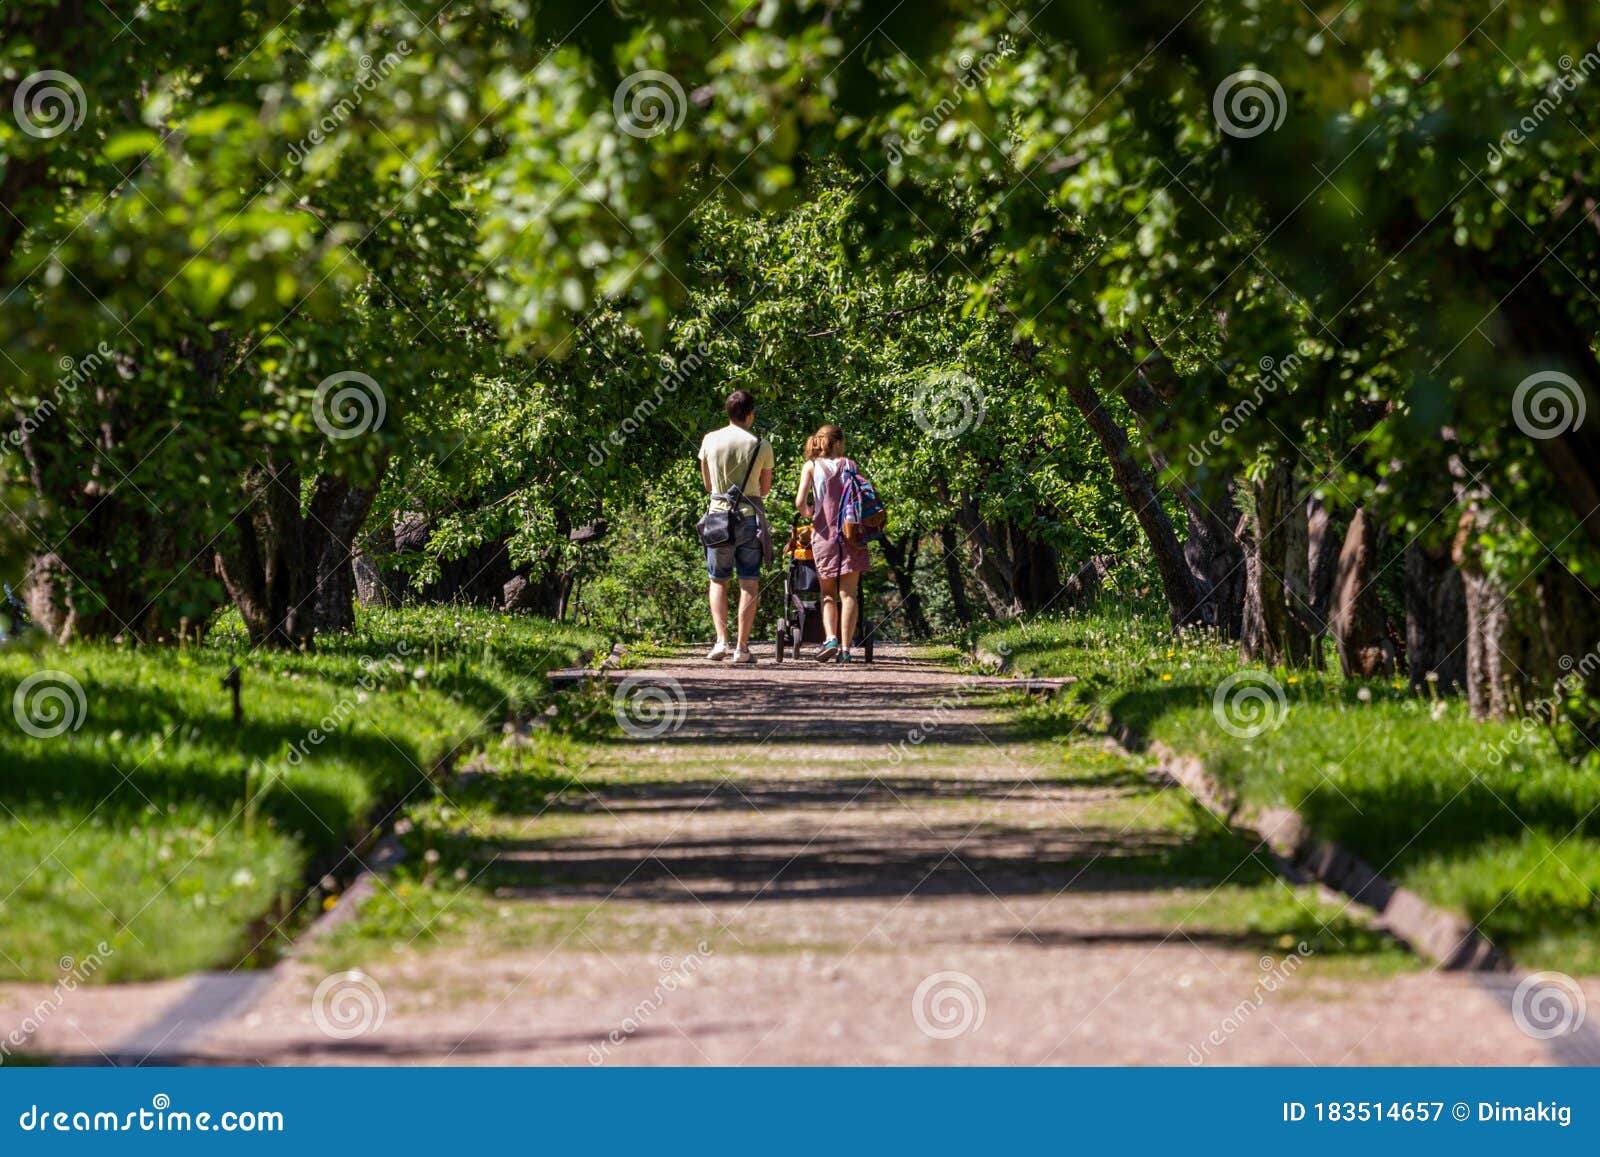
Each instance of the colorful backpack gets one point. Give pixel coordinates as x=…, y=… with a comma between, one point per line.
x=860, y=509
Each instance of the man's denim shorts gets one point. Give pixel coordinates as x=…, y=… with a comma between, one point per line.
x=721, y=561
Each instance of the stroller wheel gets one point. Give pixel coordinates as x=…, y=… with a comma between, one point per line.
x=866, y=650
x=780, y=643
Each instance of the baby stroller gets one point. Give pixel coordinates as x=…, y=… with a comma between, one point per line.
x=802, y=601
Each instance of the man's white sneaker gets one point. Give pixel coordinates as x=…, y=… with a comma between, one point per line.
x=743, y=657
x=718, y=653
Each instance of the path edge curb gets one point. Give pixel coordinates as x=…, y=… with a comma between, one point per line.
x=246, y=988
x=999, y=661
x=587, y=667
x=1446, y=937
x=387, y=853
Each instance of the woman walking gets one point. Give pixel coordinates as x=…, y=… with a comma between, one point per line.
x=839, y=563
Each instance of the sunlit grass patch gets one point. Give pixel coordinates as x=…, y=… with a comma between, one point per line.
x=156, y=826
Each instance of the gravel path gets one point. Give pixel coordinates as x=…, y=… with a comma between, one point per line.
x=867, y=865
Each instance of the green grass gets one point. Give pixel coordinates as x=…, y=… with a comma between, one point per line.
x=129, y=837
x=1490, y=819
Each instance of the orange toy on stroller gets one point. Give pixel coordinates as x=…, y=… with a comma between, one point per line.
x=802, y=599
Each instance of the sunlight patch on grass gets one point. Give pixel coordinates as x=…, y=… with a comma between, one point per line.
x=178, y=839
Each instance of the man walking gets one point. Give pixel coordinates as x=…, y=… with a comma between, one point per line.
x=733, y=456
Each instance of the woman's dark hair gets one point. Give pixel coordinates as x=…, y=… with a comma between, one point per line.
x=741, y=404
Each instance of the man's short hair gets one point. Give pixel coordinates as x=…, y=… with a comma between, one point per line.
x=741, y=404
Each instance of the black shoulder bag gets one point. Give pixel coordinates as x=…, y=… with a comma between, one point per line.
x=722, y=527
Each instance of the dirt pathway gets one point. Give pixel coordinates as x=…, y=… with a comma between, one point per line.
x=866, y=865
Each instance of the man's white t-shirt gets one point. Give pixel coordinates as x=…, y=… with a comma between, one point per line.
x=727, y=454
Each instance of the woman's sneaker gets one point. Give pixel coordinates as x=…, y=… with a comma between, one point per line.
x=844, y=657
x=828, y=652
x=718, y=653
x=742, y=658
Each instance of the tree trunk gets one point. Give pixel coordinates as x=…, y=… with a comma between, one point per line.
x=1436, y=619
x=1211, y=549
x=949, y=547
x=72, y=595
x=1277, y=605
x=1216, y=558
x=21, y=176
x=902, y=566
x=991, y=564
x=1357, y=617
x=1325, y=537
x=1177, y=583
x=124, y=568
x=1036, y=570
x=289, y=573
x=1084, y=586
x=1527, y=644
x=269, y=574
x=336, y=580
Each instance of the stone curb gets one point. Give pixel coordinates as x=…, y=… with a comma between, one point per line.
x=1445, y=937
x=388, y=853
x=984, y=657
x=587, y=668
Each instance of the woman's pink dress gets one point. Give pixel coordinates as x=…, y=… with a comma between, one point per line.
x=832, y=554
